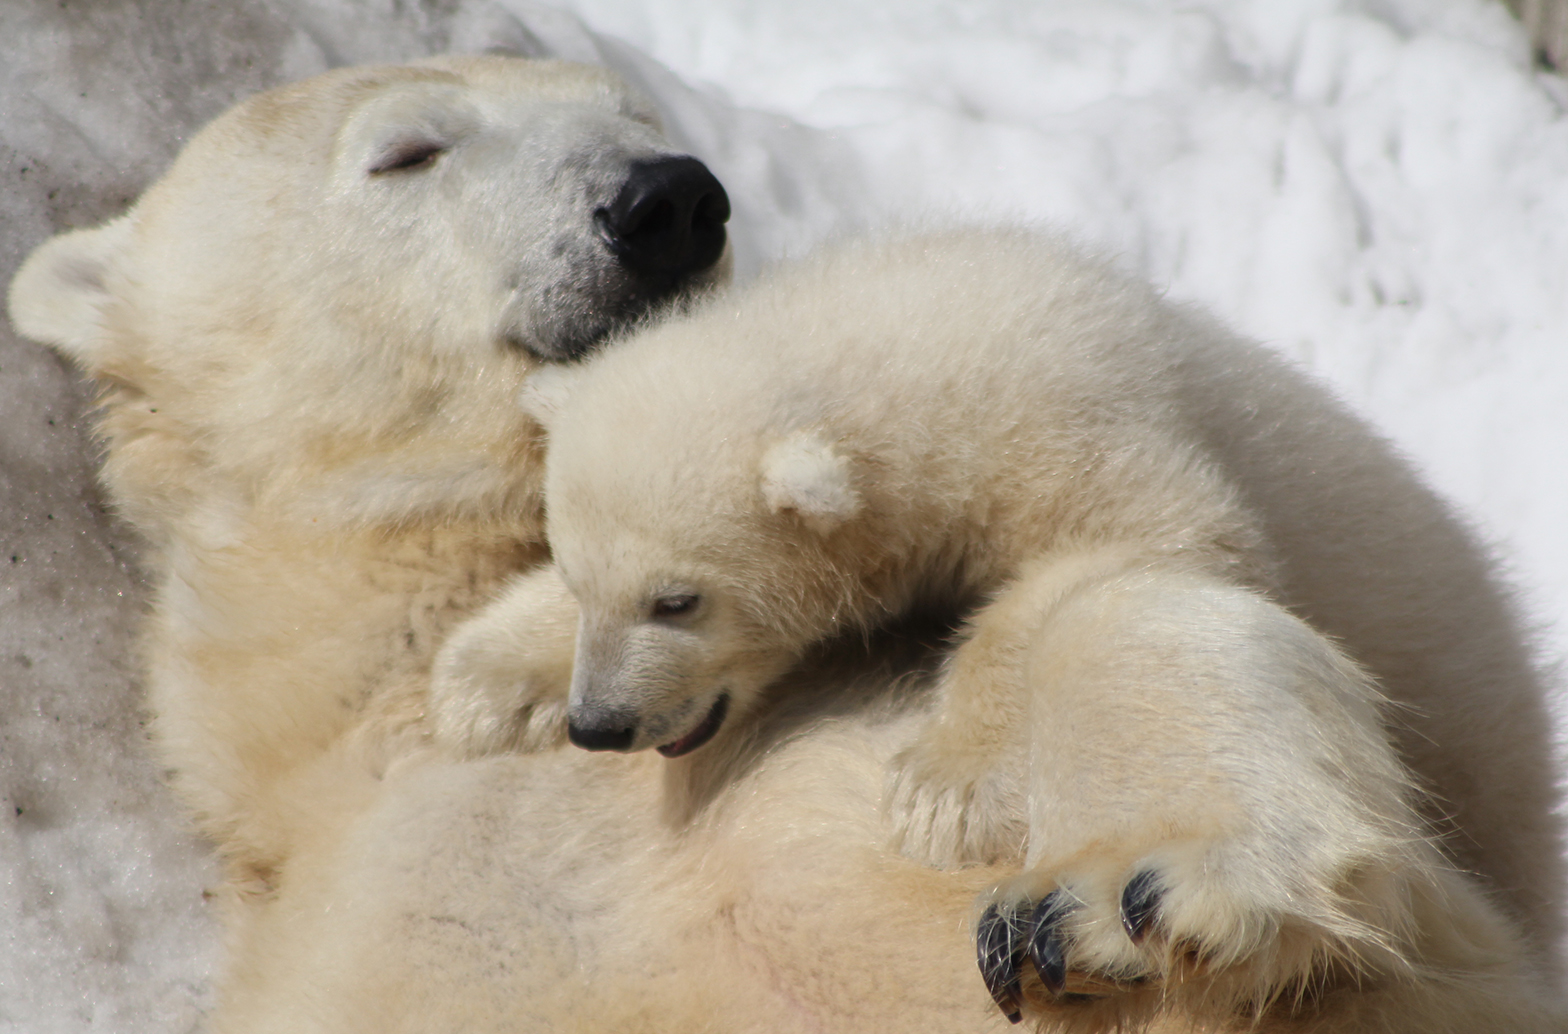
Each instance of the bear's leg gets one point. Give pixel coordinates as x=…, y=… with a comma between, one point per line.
x=501, y=681
x=958, y=794
x=1206, y=809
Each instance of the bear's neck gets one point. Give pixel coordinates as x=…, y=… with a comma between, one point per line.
x=293, y=642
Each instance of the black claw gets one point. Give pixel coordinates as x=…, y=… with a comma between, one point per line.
x=1140, y=905
x=1047, y=941
x=997, y=943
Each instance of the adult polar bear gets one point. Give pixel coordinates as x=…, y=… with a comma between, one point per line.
x=310, y=335
x=1179, y=559
x=310, y=339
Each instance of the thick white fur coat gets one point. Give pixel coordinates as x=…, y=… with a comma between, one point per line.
x=1235, y=694
x=310, y=387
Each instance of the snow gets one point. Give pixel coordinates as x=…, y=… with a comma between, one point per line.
x=1377, y=188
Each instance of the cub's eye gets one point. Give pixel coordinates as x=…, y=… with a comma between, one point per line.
x=407, y=154
x=676, y=604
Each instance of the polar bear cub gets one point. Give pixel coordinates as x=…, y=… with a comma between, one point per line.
x=1188, y=583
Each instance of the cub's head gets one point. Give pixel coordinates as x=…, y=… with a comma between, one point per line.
x=706, y=551
x=338, y=288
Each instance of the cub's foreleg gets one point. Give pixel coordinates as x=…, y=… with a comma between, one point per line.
x=1199, y=793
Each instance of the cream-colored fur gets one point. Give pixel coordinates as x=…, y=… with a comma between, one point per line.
x=1236, y=702
x=310, y=335
x=310, y=376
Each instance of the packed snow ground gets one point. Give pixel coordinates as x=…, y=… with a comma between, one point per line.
x=1379, y=189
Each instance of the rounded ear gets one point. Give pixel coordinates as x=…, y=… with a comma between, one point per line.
x=545, y=392
x=61, y=293
x=807, y=475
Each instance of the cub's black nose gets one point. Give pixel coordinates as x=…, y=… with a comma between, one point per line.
x=668, y=220
x=602, y=732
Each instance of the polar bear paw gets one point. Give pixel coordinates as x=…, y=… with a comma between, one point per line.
x=1152, y=934
x=501, y=681
x=474, y=717
x=953, y=803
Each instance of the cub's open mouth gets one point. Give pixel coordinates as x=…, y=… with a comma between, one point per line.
x=702, y=733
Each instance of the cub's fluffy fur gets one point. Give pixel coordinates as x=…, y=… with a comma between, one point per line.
x=1236, y=700
x=311, y=336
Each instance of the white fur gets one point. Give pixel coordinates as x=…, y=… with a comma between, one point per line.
x=63, y=292
x=804, y=475
x=546, y=392
x=309, y=349
x=1189, y=580
x=310, y=373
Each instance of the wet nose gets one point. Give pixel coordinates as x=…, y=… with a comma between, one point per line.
x=601, y=730
x=668, y=219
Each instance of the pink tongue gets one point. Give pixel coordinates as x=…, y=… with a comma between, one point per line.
x=702, y=733
x=682, y=745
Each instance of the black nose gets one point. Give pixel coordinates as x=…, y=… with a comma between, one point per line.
x=602, y=731
x=668, y=220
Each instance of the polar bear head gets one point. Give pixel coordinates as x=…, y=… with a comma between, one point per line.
x=333, y=296
x=708, y=538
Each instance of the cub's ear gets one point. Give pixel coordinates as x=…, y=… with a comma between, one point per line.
x=61, y=294
x=807, y=475
x=546, y=391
